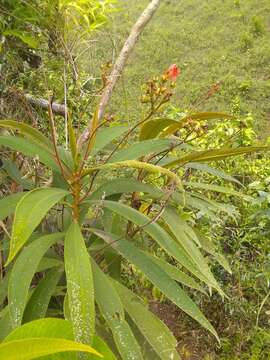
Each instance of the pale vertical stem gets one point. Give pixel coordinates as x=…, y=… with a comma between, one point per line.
x=65, y=114
x=120, y=63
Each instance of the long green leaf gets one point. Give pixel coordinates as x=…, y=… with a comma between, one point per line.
x=9, y=203
x=158, y=234
x=165, y=126
x=37, y=305
x=5, y=323
x=56, y=328
x=106, y=136
x=29, y=212
x=141, y=148
x=23, y=272
x=112, y=310
x=215, y=154
x=216, y=172
x=14, y=173
x=122, y=185
x=28, y=131
x=157, y=276
x=154, y=127
x=80, y=287
x=177, y=274
x=172, y=219
x=32, y=348
x=135, y=164
x=30, y=149
x=217, y=188
x=153, y=329
x=195, y=116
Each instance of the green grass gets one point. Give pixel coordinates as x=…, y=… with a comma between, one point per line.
x=214, y=40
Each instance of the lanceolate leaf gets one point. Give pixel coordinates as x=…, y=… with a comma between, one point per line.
x=196, y=116
x=106, y=136
x=112, y=310
x=153, y=329
x=28, y=131
x=165, y=126
x=14, y=173
x=29, y=212
x=216, y=188
x=172, y=219
x=177, y=274
x=157, y=276
x=5, y=323
x=33, y=348
x=30, y=149
x=216, y=172
x=56, y=328
x=215, y=154
x=158, y=234
x=48, y=263
x=135, y=164
x=37, y=305
x=141, y=148
x=120, y=186
x=9, y=203
x=152, y=128
x=80, y=287
x=23, y=272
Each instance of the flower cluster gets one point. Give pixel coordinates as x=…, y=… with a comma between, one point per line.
x=158, y=90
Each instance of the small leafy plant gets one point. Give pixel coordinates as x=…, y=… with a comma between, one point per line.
x=118, y=196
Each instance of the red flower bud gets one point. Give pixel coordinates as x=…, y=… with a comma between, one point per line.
x=173, y=72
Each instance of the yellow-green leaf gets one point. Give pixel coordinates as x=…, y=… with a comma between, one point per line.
x=80, y=288
x=29, y=212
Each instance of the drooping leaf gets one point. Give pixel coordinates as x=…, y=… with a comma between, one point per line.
x=9, y=203
x=217, y=188
x=22, y=273
x=14, y=173
x=37, y=305
x=4, y=288
x=153, y=329
x=5, y=323
x=28, y=131
x=141, y=148
x=80, y=287
x=33, y=348
x=158, y=234
x=210, y=248
x=120, y=186
x=196, y=116
x=216, y=172
x=157, y=276
x=166, y=126
x=153, y=128
x=30, y=149
x=177, y=274
x=112, y=310
x=135, y=164
x=172, y=219
x=29, y=212
x=215, y=154
x=106, y=136
x=56, y=328
x=48, y=263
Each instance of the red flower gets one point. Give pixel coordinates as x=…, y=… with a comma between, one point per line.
x=173, y=72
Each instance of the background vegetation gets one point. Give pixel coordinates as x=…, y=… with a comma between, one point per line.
x=226, y=43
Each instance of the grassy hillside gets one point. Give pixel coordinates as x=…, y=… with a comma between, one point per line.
x=214, y=40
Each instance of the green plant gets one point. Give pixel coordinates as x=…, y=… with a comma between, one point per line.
x=257, y=26
x=93, y=205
